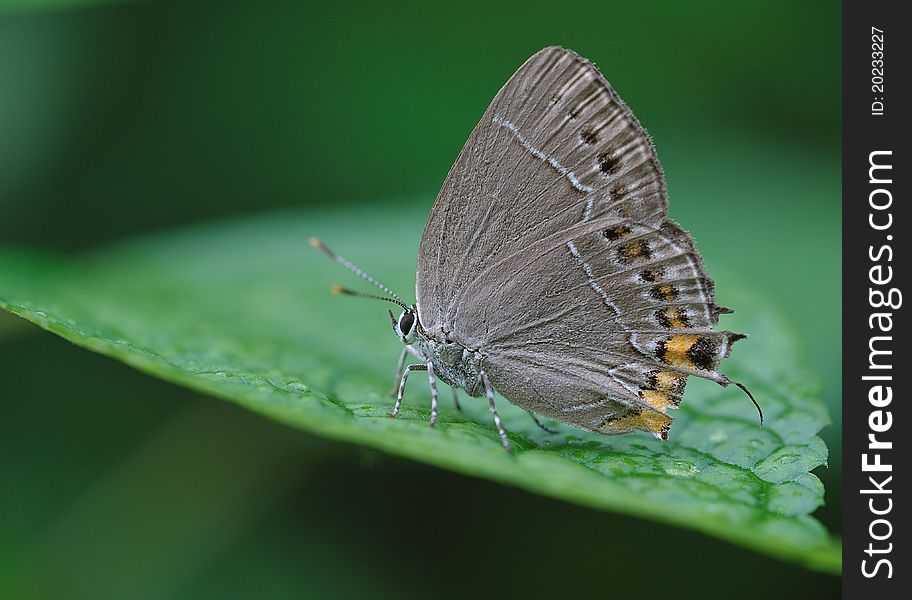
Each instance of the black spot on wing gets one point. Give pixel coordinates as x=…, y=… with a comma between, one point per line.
x=633, y=251
x=588, y=135
x=703, y=353
x=664, y=293
x=651, y=275
x=607, y=163
x=672, y=317
x=615, y=233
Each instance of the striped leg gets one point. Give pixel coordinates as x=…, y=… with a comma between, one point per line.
x=541, y=425
x=489, y=391
x=402, y=381
x=399, y=367
x=430, y=370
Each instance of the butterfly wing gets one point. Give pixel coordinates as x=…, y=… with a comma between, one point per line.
x=554, y=133
x=548, y=250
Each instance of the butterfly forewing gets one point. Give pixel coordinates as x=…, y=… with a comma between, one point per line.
x=553, y=134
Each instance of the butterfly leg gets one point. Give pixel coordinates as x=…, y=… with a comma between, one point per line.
x=455, y=398
x=399, y=366
x=433, y=380
x=489, y=392
x=541, y=425
x=402, y=381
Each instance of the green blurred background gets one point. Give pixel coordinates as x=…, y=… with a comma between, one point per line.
x=124, y=118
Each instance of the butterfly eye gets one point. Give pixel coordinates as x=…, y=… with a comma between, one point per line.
x=406, y=321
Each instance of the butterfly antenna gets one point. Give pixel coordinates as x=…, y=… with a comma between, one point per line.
x=751, y=396
x=316, y=243
x=338, y=289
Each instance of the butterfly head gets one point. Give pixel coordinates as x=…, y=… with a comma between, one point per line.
x=406, y=326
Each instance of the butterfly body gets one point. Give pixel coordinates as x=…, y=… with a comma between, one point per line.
x=455, y=364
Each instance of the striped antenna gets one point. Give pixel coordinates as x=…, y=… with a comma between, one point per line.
x=316, y=243
x=338, y=289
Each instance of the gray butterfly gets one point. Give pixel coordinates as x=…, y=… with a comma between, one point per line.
x=548, y=270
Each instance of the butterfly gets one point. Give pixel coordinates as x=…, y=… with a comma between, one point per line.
x=548, y=270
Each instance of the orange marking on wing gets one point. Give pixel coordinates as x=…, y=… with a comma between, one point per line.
x=668, y=381
x=656, y=399
x=654, y=422
x=667, y=291
x=676, y=347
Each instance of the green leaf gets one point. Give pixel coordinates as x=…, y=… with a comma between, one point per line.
x=14, y=6
x=242, y=311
